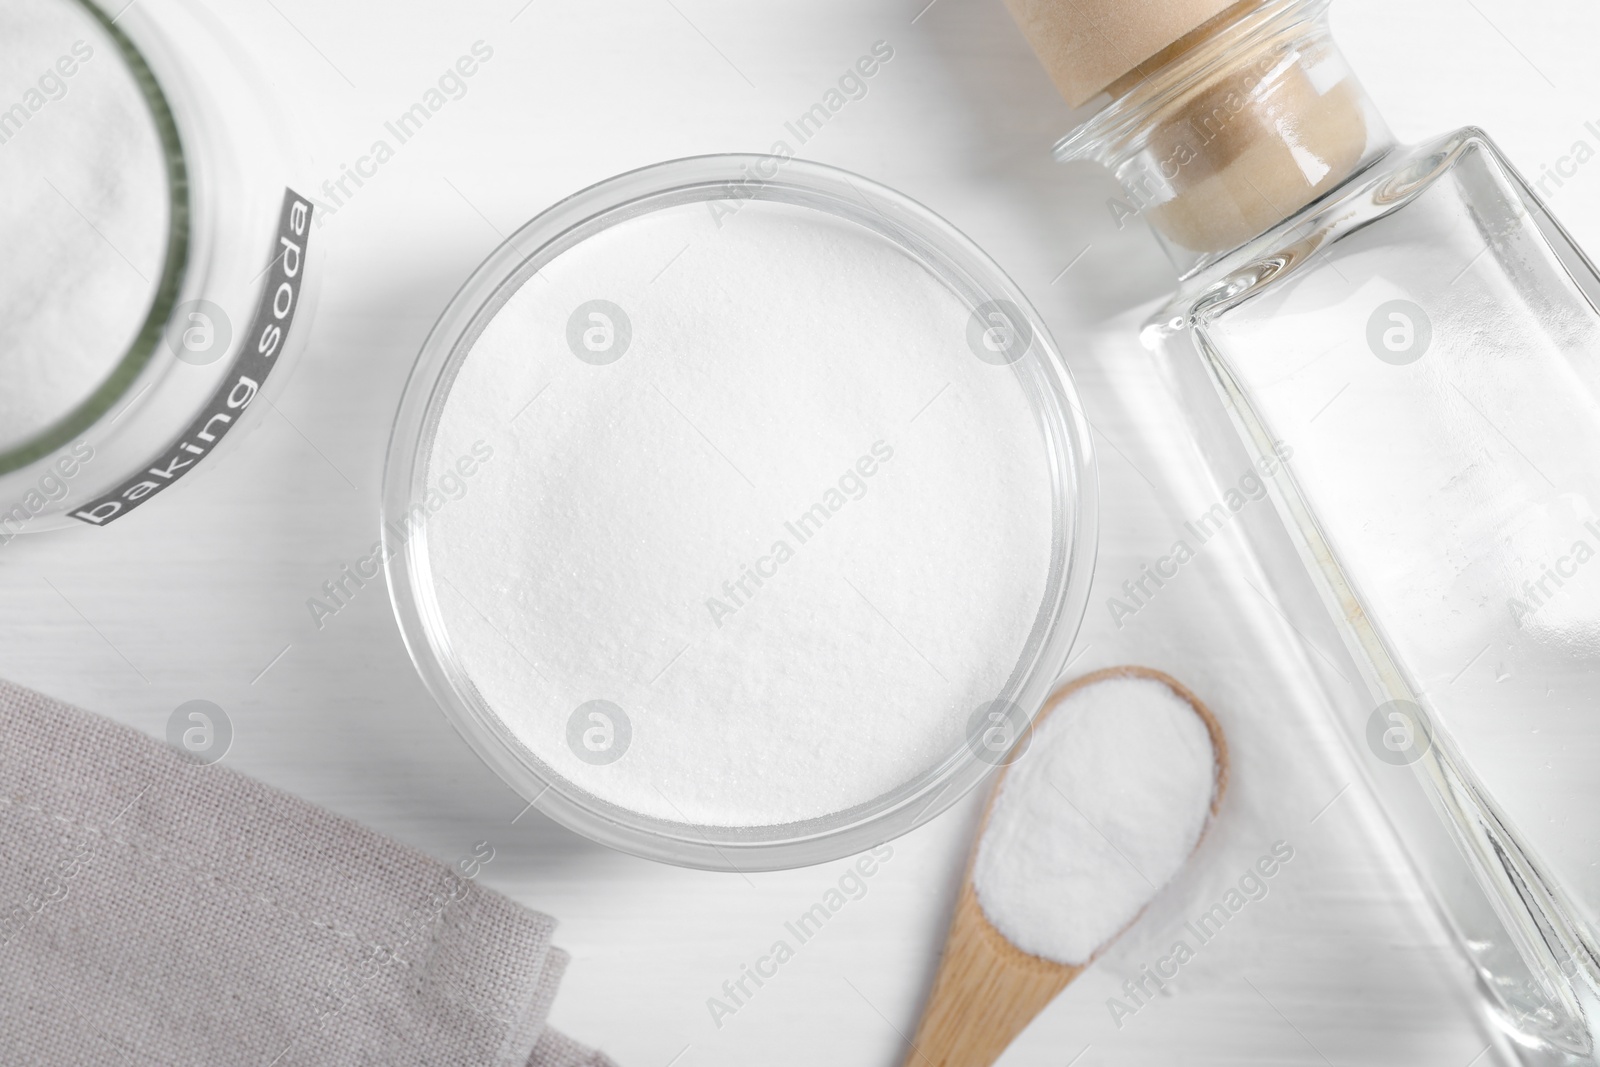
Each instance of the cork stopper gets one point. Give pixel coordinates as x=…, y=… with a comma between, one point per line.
x=1291, y=145
x=1088, y=44
x=1216, y=136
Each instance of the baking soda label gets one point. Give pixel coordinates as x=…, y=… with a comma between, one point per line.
x=198, y=334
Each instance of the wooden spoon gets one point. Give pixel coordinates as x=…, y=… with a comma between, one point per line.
x=987, y=989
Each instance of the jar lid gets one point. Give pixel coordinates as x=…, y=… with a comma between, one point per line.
x=739, y=512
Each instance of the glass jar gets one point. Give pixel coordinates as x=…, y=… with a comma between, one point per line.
x=160, y=266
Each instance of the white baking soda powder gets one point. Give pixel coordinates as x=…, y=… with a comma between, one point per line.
x=84, y=217
x=1097, y=815
x=761, y=531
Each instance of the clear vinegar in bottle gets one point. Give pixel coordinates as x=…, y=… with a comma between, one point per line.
x=1414, y=330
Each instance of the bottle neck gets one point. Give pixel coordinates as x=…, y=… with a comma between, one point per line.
x=1233, y=129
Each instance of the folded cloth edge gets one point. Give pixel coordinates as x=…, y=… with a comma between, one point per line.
x=44, y=743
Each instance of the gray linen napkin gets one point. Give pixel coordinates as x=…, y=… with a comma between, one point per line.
x=154, y=909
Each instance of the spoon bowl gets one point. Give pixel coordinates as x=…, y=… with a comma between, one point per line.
x=987, y=989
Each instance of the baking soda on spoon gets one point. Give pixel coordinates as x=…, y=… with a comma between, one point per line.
x=1096, y=817
x=1082, y=831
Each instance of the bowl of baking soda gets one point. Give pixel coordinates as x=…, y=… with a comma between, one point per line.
x=740, y=513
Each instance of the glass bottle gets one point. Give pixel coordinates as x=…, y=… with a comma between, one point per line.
x=1416, y=340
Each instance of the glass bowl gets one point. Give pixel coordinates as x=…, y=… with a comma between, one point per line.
x=963, y=270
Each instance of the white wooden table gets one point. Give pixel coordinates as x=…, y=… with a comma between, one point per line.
x=203, y=595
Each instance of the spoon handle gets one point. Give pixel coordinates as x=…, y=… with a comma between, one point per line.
x=986, y=992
